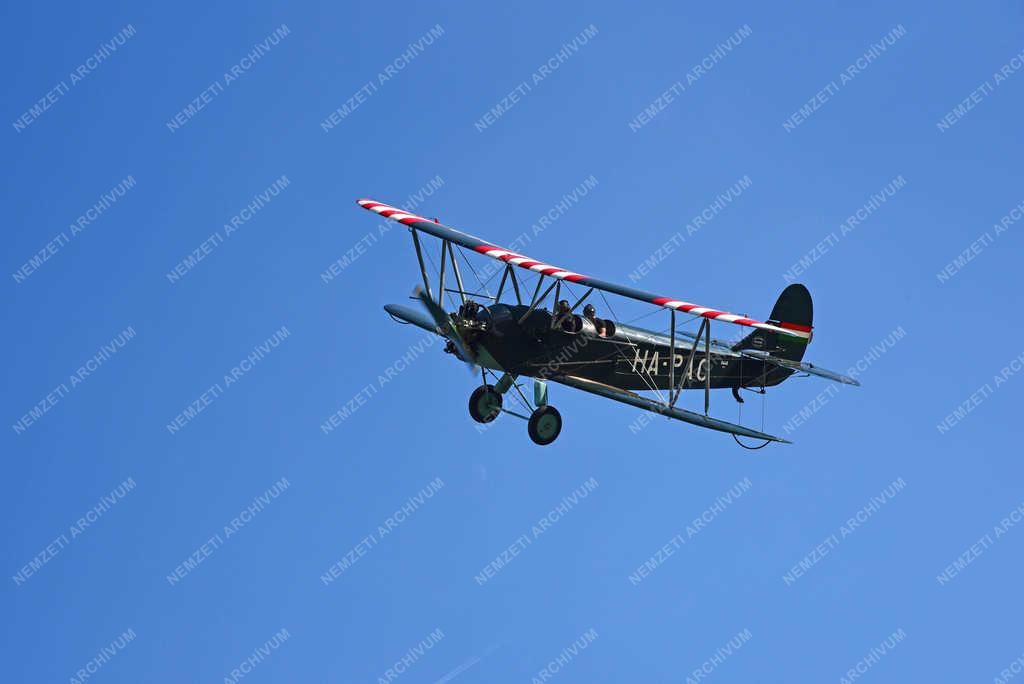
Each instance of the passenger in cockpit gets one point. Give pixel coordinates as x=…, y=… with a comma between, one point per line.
x=590, y=313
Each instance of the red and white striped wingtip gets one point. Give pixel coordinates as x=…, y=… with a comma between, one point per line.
x=390, y=212
x=483, y=248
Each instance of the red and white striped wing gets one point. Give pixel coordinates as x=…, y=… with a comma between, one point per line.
x=476, y=244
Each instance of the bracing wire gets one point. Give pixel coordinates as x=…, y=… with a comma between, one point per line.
x=750, y=448
x=652, y=383
x=739, y=418
x=480, y=281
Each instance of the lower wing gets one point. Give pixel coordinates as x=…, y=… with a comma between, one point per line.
x=633, y=399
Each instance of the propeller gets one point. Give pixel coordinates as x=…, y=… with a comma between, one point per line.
x=446, y=326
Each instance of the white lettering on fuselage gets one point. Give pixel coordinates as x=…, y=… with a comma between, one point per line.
x=648, y=363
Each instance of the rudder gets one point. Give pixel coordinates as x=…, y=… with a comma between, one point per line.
x=793, y=310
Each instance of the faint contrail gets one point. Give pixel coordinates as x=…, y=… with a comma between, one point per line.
x=466, y=665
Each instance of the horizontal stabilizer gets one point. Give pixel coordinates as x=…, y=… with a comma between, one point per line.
x=799, y=366
x=633, y=399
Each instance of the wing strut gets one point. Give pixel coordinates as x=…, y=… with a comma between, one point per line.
x=419, y=257
x=440, y=286
x=672, y=356
x=515, y=283
x=538, y=300
x=707, y=371
x=501, y=285
x=704, y=326
x=705, y=329
x=455, y=268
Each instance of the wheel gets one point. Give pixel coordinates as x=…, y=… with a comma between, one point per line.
x=545, y=424
x=484, y=404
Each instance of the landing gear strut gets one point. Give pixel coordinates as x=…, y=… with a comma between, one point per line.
x=543, y=425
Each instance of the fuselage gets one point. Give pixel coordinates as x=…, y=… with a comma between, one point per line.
x=626, y=357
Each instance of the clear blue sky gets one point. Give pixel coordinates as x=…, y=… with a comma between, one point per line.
x=268, y=348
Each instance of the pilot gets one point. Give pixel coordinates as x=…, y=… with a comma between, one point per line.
x=590, y=313
x=469, y=310
x=563, y=315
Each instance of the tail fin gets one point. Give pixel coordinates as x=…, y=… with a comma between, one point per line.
x=792, y=310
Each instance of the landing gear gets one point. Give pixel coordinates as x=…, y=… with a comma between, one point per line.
x=484, y=404
x=544, y=425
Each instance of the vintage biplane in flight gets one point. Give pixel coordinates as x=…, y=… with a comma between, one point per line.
x=603, y=356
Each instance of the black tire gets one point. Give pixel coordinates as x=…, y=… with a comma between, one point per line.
x=545, y=425
x=484, y=404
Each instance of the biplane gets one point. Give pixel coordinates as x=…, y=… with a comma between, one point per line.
x=525, y=338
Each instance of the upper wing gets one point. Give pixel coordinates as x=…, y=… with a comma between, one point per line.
x=476, y=244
